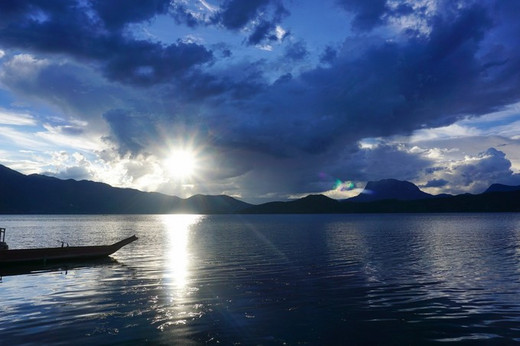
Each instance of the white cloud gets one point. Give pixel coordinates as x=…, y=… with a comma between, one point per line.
x=505, y=123
x=280, y=32
x=446, y=132
x=23, y=66
x=208, y=6
x=23, y=140
x=8, y=117
x=476, y=173
x=58, y=135
x=418, y=20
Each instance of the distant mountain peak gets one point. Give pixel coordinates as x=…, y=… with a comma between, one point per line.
x=316, y=197
x=502, y=188
x=390, y=189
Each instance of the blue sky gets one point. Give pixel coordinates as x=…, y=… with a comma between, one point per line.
x=262, y=99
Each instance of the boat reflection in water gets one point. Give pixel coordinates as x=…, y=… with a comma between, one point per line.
x=63, y=267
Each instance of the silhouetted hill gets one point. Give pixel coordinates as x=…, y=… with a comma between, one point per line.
x=487, y=202
x=204, y=204
x=39, y=194
x=390, y=189
x=312, y=204
x=502, y=188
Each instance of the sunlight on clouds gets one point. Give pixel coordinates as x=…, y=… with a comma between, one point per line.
x=416, y=21
x=504, y=123
x=265, y=47
x=343, y=190
x=280, y=32
x=24, y=140
x=339, y=194
x=490, y=121
x=448, y=163
x=115, y=173
x=471, y=173
x=141, y=172
x=369, y=143
x=24, y=65
x=446, y=132
x=435, y=154
x=510, y=130
x=21, y=165
x=59, y=135
x=209, y=7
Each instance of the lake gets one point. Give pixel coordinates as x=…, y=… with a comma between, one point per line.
x=269, y=280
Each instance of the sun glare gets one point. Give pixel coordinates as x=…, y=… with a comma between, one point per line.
x=178, y=243
x=181, y=164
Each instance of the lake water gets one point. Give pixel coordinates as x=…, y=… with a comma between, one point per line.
x=270, y=280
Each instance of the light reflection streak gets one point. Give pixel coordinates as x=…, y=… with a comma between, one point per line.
x=177, y=267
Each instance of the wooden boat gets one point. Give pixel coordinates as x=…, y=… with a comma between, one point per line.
x=56, y=254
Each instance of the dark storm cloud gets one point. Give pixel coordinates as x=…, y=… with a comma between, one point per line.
x=383, y=89
x=436, y=183
x=383, y=161
x=132, y=132
x=263, y=31
x=368, y=14
x=237, y=14
x=76, y=90
x=329, y=55
x=115, y=14
x=181, y=15
x=145, y=63
x=67, y=28
x=296, y=51
x=396, y=87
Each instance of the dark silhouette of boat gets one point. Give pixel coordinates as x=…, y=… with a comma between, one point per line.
x=56, y=254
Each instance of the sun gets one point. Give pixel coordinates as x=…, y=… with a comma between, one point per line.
x=181, y=164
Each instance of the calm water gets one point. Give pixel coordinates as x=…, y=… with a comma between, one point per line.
x=310, y=279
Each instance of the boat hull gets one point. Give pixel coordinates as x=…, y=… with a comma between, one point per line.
x=58, y=254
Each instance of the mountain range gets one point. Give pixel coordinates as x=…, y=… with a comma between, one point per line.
x=40, y=194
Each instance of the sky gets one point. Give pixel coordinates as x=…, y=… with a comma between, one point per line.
x=262, y=99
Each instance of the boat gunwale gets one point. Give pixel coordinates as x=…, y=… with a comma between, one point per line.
x=65, y=253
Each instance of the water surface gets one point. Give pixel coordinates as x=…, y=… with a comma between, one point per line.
x=270, y=279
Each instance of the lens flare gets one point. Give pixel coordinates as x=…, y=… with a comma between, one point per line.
x=344, y=185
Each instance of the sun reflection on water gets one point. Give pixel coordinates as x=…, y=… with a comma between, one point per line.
x=177, y=256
